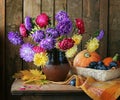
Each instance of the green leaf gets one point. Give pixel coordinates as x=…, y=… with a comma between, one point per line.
x=96, y=33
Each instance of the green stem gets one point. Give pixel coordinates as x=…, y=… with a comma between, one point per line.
x=115, y=58
x=87, y=55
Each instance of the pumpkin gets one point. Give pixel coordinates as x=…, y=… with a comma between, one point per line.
x=108, y=60
x=83, y=58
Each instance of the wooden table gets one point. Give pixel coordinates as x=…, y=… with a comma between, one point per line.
x=47, y=92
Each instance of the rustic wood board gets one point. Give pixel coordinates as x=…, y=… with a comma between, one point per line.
x=2, y=50
x=44, y=89
x=76, y=8
x=103, y=49
x=31, y=8
x=114, y=27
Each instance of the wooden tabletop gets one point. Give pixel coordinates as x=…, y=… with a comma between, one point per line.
x=19, y=88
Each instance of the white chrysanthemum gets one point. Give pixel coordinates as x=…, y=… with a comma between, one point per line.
x=71, y=52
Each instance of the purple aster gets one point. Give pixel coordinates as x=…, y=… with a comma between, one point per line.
x=52, y=32
x=26, y=52
x=38, y=35
x=15, y=38
x=101, y=34
x=47, y=43
x=28, y=23
x=64, y=27
x=61, y=16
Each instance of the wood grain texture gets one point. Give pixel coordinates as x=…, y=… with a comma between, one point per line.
x=114, y=27
x=12, y=58
x=74, y=9
x=46, y=88
x=2, y=50
x=32, y=8
x=57, y=97
x=104, y=25
x=48, y=92
x=60, y=5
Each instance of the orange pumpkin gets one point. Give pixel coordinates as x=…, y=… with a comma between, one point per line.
x=83, y=58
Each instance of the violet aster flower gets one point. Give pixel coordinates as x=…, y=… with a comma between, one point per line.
x=64, y=27
x=38, y=35
x=52, y=32
x=26, y=52
x=61, y=16
x=15, y=38
x=28, y=23
x=47, y=43
x=101, y=34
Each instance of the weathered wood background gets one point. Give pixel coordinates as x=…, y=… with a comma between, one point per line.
x=97, y=14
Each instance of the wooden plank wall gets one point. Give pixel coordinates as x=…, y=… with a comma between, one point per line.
x=97, y=14
x=2, y=48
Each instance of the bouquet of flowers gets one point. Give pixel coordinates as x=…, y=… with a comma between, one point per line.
x=64, y=36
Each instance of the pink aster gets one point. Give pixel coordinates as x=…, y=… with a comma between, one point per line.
x=38, y=49
x=42, y=20
x=23, y=30
x=66, y=43
x=80, y=25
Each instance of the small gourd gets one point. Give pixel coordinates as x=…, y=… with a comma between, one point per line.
x=83, y=58
x=108, y=60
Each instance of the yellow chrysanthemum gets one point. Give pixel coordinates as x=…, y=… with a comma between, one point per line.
x=77, y=38
x=40, y=59
x=92, y=45
x=71, y=52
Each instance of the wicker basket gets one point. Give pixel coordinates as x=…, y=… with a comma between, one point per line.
x=101, y=75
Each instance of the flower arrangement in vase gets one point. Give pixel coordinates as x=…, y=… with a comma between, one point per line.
x=65, y=37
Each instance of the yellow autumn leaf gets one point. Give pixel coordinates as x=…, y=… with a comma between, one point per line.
x=35, y=72
x=32, y=76
x=38, y=74
x=26, y=75
x=17, y=75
